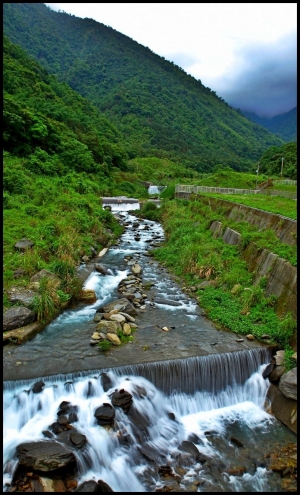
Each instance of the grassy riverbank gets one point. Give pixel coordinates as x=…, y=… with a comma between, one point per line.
x=231, y=299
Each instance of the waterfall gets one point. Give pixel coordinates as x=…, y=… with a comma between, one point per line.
x=155, y=189
x=173, y=401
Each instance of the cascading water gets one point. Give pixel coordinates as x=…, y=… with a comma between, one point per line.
x=205, y=410
x=202, y=391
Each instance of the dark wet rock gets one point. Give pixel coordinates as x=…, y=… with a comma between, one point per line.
x=87, y=486
x=44, y=456
x=169, y=302
x=17, y=317
x=122, y=399
x=190, y=448
x=276, y=373
x=48, y=434
x=236, y=442
x=72, y=418
x=150, y=453
x=100, y=268
x=56, y=427
x=105, y=414
x=103, y=487
x=38, y=387
x=62, y=420
x=140, y=423
x=268, y=370
x=77, y=439
x=106, y=382
x=171, y=416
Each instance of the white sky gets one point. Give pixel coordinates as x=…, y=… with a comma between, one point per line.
x=223, y=45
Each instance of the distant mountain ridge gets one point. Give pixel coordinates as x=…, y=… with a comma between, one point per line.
x=159, y=109
x=283, y=125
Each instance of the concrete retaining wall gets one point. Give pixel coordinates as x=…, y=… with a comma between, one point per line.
x=284, y=228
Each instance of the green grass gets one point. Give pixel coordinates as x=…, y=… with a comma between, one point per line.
x=273, y=204
x=233, y=301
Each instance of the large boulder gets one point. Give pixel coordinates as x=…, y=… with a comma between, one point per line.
x=44, y=273
x=284, y=409
x=288, y=384
x=87, y=296
x=17, y=317
x=92, y=486
x=105, y=414
x=121, y=304
x=44, y=456
x=122, y=398
x=19, y=295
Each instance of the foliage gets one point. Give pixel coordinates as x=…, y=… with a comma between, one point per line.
x=271, y=161
x=161, y=110
x=48, y=301
x=232, y=300
x=283, y=125
x=104, y=345
x=274, y=204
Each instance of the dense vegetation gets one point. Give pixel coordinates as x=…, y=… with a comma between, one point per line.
x=159, y=109
x=231, y=300
x=63, y=151
x=277, y=159
x=283, y=125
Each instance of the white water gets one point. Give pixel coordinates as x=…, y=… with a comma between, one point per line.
x=26, y=415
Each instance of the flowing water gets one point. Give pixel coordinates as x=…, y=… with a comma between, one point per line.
x=192, y=384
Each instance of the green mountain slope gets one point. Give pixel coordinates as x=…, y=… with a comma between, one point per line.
x=160, y=110
x=283, y=125
x=50, y=120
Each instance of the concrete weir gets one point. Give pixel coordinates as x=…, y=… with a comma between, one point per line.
x=120, y=203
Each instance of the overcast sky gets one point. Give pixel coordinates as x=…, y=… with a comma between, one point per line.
x=246, y=52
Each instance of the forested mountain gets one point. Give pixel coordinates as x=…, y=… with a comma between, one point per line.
x=283, y=125
x=53, y=125
x=157, y=108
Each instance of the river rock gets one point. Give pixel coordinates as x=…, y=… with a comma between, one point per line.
x=276, y=373
x=44, y=456
x=98, y=317
x=96, y=336
x=16, y=317
x=136, y=269
x=38, y=387
x=105, y=414
x=44, y=273
x=122, y=398
x=128, y=317
x=87, y=296
x=77, y=439
x=102, y=269
x=117, y=317
x=93, y=487
x=112, y=337
x=19, y=295
x=121, y=304
x=288, y=384
x=278, y=358
x=108, y=326
x=126, y=329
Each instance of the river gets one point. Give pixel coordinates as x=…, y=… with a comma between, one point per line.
x=200, y=384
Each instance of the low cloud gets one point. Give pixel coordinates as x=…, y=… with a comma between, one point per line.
x=265, y=79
